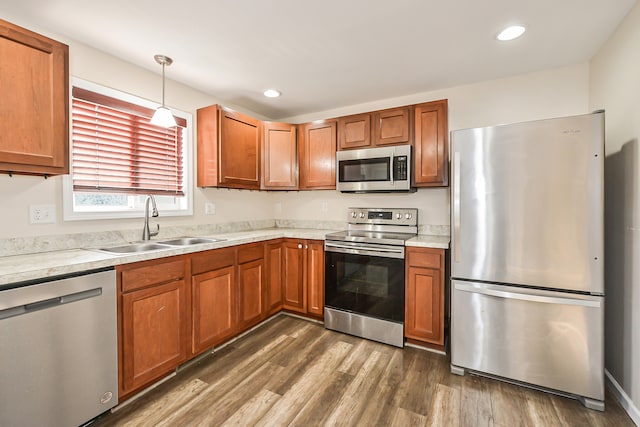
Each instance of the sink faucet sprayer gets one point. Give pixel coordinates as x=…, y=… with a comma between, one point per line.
x=146, y=233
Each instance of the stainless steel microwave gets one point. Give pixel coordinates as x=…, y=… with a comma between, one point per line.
x=375, y=170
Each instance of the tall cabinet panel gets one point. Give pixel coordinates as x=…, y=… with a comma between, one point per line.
x=34, y=111
x=431, y=154
x=279, y=157
x=317, y=155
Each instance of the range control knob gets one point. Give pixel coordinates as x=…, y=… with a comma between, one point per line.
x=408, y=215
x=362, y=215
x=354, y=214
x=398, y=216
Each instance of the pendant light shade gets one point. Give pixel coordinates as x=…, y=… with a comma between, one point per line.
x=162, y=116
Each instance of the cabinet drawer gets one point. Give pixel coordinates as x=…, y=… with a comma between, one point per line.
x=425, y=257
x=212, y=260
x=152, y=274
x=250, y=252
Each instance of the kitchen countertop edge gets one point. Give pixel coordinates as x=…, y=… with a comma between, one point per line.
x=39, y=266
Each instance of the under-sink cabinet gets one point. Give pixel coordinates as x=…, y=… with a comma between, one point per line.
x=153, y=301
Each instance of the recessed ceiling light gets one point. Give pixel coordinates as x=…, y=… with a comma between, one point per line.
x=512, y=32
x=271, y=93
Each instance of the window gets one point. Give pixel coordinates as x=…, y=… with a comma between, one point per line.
x=118, y=157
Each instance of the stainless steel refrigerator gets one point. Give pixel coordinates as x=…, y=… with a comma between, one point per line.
x=527, y=263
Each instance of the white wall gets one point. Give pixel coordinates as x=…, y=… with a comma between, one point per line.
x=615, y=86
x=544, y=94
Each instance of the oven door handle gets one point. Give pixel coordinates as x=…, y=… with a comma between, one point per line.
x=365, y=250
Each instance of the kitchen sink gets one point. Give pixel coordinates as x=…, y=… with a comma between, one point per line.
x=134, y=248
x=186, y=241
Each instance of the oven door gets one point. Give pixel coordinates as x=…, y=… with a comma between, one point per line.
x=368, y=281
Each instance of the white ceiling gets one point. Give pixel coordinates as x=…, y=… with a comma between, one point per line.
x=332, y=53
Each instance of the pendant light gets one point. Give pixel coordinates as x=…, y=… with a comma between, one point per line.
x=162, y=116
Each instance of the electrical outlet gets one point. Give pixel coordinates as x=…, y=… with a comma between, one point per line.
x=210, y=208
x=278, y=207
x=42, y=214
x=325, y=206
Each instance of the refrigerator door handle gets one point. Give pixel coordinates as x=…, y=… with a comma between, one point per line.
x=527, y=296
x=456, y=206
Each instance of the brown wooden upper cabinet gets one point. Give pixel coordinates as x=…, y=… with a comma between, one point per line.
x=354, y=131
x=392, y=126
x=34, y=86
x=377, y=128
x=279, y=156
x=431, y=151
x=317, y=155
x=228, y=149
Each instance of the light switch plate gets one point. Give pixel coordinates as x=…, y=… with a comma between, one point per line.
x=210, y=208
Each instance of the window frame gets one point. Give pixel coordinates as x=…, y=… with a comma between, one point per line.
x=135, y=207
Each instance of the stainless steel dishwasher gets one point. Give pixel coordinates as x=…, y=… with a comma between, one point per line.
x=58, y=350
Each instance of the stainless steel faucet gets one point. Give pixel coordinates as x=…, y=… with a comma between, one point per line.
x=146, y=233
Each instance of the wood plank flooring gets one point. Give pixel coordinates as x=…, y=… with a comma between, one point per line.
x=291, y=372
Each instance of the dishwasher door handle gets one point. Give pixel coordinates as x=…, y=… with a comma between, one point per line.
x=48, y=303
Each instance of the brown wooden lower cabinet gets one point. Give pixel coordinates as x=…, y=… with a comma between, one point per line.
x=274, y=261
x=424, y=295
x=251, y=286
x=214, y=308
x=153, y=322
x=303, y=276
x=315, y=277
x=172, y=309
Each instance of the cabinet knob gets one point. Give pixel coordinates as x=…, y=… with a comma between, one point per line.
x=299, y=245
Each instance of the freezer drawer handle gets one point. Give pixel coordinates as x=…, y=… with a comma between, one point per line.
x=527, y=297
x=48, y=303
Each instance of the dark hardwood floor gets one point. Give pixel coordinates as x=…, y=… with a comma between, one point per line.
x=294, y=372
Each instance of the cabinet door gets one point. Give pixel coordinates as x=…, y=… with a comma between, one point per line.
x=354, y=131
x=239, y=150
x=294, y=284
x=274, y=265
x=424, y=295
x=251, y=294
x=431, y=153
x=392, y=126
x=34, y=86
x=317, y=156
x=279, y=157
x=315, y=277
x=154, y=330
x=423, y=315
x=214, y=308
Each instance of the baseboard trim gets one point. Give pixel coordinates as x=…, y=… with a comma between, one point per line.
x=624, y=399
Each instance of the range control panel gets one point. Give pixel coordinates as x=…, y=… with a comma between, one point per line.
x=383, y=216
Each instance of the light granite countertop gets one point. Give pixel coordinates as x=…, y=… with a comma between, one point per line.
x=30, y=267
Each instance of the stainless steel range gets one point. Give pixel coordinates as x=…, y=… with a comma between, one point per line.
x=364, y=274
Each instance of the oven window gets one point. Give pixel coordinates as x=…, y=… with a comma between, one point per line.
x=364, y=170
x=363, y=284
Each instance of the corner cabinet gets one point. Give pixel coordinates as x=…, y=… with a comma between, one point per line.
x=425, y=295
x=303, y=276
x=431, y=146
x=34, y=86
x=153, y=319
x=317, y=155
